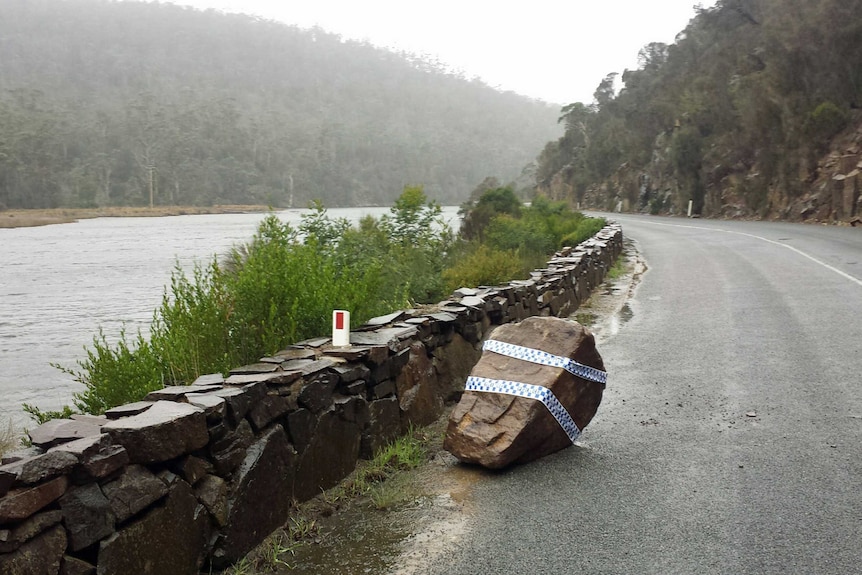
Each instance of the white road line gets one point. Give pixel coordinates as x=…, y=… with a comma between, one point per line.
x=789, y=247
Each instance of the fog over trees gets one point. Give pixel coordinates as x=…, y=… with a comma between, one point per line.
x=103, y=102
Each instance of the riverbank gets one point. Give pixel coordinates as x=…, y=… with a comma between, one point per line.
x=31, y=218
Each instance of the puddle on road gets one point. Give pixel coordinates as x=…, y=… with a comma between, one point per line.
x=447, y=518
x=626, y=313
x=364, y=540
x=361, y=549
x=609, y=309
x=432, y=540
x=611, y=325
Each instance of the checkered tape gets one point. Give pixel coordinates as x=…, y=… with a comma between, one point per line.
x=543, y=394
x=545, y=358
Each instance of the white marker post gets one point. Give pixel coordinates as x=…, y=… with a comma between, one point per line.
x=340, y=328
x=689, y=208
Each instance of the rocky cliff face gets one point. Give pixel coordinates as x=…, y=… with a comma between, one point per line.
x=824, y=189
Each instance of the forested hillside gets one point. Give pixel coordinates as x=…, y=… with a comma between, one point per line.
x=752, y=112
x=103, y=102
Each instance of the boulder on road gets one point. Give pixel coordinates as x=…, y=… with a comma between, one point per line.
x=499, y=421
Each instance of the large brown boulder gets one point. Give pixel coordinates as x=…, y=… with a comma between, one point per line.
x=494, y=428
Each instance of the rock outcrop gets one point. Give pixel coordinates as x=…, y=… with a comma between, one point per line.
x=497, y=428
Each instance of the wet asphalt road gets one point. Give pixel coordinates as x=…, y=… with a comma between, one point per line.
x=730, y=435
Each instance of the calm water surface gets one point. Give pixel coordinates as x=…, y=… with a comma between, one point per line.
x=60, y=284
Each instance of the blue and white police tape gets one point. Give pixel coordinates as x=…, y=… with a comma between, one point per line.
x=545, y=358
x=543, y=394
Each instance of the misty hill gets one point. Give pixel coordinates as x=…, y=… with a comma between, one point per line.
x=101, y=100
x=747, y=114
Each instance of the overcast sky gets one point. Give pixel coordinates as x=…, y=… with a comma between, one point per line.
x=554, y=50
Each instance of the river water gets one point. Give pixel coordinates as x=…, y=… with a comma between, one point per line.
x=60, y=284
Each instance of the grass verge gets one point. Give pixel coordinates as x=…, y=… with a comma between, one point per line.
x=383, y=484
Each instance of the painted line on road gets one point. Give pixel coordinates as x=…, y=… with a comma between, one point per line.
x=789, y=247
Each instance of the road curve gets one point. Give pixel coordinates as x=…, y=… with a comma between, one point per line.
x=730, y=436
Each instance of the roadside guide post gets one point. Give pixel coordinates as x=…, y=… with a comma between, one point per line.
x=340, y=328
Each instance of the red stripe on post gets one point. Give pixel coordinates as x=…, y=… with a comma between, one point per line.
x=339, y=320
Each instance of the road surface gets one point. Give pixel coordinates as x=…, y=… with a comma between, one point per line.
x=730, y=436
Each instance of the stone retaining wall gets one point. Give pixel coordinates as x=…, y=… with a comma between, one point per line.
x=197, y=476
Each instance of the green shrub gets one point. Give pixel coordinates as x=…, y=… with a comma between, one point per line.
x=413, y=218
x=317, y=224
x=410, y=246
x=540, y=229
x=189, y=331
x=587, y=228
x=285, y=292
x=558, y=218
x=825, y=121
x=490, y=204
x=515, y=241
x=485, y=266
x=41, y=417
x=530, y=235
x=368, y=247
x=115, y=374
